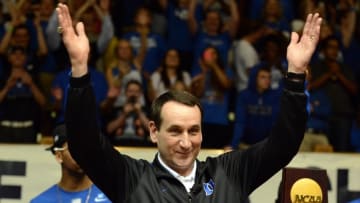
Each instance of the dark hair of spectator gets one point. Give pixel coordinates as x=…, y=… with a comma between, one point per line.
x=163, y=74
x=221, y=25
x=182, y=97
x=19, y=27
x=133, y=82
x=325, y=42
x=143, y=8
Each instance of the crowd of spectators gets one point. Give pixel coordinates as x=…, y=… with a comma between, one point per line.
x=229, y=53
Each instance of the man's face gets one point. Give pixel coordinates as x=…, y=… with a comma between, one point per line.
x=179, y=137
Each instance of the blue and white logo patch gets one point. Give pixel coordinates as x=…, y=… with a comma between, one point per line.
x=209, y=187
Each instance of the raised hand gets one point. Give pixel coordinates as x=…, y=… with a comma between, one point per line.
x=76, y=41
x=299, y=52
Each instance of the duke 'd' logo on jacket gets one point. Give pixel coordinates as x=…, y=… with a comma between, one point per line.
x=209, y=187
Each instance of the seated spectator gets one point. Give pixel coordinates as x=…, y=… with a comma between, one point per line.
x=317, y=126
x=20, y=35
x=92, y=14
x=272, y=55
x=146, y=44
x=129, y=127
x=246, y=55
x=21, y=101
x=256, y=6
x=272, y=17
x=60, y=87
x=169, y=74
x=337, y=80
x=256, y=110
x=212, y=33
x=74, y=185
x=123, y=68
x=213, y=87
x=179, y=36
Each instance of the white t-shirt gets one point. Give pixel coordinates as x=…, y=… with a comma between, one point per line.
x=245, y=57
x=159, y=86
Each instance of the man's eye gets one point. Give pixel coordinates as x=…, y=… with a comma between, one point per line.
x=194, y=131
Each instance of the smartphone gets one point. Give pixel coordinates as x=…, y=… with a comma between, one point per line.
x=208, y=56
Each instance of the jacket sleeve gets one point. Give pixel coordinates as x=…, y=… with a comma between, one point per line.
x=250, y=168
x=115, y=174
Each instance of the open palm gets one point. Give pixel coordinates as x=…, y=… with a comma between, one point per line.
x=299, y=52
x=76, y=41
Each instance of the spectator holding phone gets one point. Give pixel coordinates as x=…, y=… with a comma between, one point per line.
x=212, y=86
x=21, y=101
x=130, y=125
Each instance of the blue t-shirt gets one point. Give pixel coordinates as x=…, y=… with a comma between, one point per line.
x=355, y=201
x=222, y=42
x=155, y=49
x=178, y=34
x=321, y=111
x=256, y=7
x=215, y=102
x=48, y=63
x=98, y=83
x=55, y=194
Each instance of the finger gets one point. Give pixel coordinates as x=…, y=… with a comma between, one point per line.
x=80, y=30
x=317, y=28
x=313, y=23
x=65, y=21
x=306, y=30
x=68, y=26
x=294, y=38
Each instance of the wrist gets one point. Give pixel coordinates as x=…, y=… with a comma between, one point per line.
x=295, y=77
x=78, y=70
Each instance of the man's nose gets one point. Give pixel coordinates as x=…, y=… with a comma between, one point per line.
x=185, y=141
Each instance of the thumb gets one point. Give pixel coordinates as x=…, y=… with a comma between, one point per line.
x=294, y=38
x=80, y=29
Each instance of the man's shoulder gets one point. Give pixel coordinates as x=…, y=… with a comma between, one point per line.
x=46, y=196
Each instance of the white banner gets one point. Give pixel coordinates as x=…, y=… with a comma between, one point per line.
x=42, y=170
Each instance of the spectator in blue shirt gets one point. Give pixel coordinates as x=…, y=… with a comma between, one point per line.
x=256, y=110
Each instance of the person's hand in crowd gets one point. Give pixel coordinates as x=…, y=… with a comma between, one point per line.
x=10, y=83
x=128, y=108
x=57, y=93
x=26, y=78
x=137, y=106
x=113, y=92
x=300, y=49
x=75, y=40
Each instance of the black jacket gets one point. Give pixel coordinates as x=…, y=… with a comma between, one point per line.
x=228, y=178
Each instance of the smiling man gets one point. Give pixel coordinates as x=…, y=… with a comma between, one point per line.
x=176, y=175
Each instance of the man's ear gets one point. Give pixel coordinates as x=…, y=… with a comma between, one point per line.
x=153, y=131
x=58, y=157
